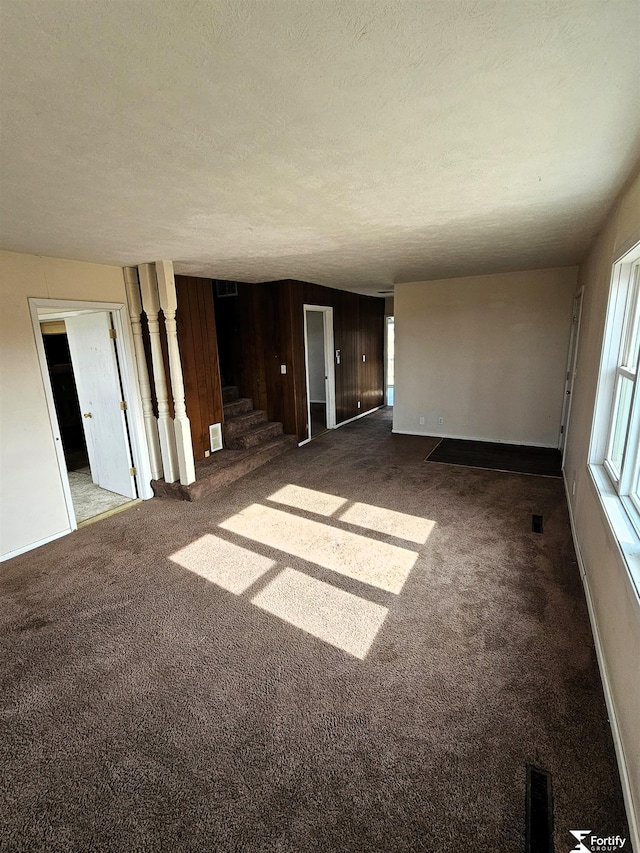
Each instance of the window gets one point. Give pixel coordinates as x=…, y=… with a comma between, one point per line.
x=615, y=446
x=621, y=458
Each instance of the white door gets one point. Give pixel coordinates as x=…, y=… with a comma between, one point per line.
x=95, y=370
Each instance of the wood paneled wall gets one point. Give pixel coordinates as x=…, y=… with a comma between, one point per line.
x=271, y=329
x=199, y=354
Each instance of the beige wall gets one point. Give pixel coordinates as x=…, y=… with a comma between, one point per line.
x=616, y=608
x=485, y=353
x=31, y=495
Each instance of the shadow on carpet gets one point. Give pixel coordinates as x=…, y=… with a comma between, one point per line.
x=515, y=458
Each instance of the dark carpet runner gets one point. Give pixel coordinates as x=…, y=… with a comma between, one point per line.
x=518, y=458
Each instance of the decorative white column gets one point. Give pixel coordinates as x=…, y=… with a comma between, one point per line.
x=169, y=305
x=150, y=421
x=151, y=307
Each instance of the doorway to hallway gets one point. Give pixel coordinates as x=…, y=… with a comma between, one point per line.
x=83, y=370
x=318, y=345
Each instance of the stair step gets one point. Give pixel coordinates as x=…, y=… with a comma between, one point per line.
x=256, y=435
x=237, y=407
x=224, y=468
x=242, y=423
x=230, y=393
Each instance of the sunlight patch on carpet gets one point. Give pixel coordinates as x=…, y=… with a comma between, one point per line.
x=308, y=499
x=346, y=621
x=370, y=561
x=229, y=566
x=410, y=527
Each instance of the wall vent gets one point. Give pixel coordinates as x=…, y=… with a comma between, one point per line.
x=215, y=437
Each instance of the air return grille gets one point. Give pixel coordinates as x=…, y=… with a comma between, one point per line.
x=539, y=804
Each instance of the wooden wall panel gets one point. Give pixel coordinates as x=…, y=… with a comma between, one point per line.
x=197, y=339
x=268, y=332
x=371, y=338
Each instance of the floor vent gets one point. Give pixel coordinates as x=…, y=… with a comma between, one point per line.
x=536, y=523
x=539, y=803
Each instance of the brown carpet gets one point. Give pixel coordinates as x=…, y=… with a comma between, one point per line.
x=172, y=680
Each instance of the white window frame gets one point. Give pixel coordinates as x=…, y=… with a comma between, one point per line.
x=626, y=370
x=616, y=487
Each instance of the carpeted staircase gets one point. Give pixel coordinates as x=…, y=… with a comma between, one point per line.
x=244, y=426
x=250, y=440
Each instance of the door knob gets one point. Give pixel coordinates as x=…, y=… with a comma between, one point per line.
x=87, y=415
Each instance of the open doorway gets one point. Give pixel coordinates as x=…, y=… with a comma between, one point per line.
x=87, y=385
x=318, y=345
x=389, y=346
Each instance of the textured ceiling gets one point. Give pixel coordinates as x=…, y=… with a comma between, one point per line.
x=354, y=144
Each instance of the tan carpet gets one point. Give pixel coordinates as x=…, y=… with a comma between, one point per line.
x=348, y=650
x=89, y=499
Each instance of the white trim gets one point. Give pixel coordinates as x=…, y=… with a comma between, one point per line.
x=625, y=782
x=10, y=554
x=53, y=418
x=357, y=417
x=474, y=438
x=329, y=367
x=572, y=362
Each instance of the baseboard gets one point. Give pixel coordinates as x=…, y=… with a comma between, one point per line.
x=632, y=818
x=10, y=554
x=474, y=438
x=368, y=412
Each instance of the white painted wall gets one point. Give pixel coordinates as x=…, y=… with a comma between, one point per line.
x=32, y=502
x=485, y=353
x=315, y=344
x=615, y=605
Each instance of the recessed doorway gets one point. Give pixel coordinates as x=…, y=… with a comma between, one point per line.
x=320, y=374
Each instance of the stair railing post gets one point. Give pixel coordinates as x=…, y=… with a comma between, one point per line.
x=151, y=307
x=134, y=302
x=169, y=305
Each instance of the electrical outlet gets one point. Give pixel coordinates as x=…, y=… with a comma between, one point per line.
x=421, y=421
x=440, y=420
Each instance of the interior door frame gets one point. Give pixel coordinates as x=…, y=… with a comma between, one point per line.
x=572, y=360
x=130, y=389
x=329, y=367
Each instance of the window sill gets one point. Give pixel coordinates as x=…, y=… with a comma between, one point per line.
x=621, y=525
